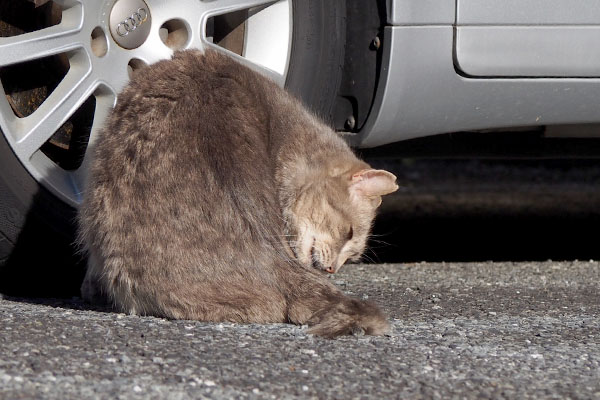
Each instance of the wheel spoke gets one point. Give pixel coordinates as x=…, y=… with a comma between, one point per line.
x=218, y=7
x=44, y=42
x=276, y=77
x=33, y=131
x=104, y=105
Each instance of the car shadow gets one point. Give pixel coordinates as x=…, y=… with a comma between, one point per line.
x=73, y=303
x=44, y=261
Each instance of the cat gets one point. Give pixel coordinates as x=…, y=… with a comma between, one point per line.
x=214, y=195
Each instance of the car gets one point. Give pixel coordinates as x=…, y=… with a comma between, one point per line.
x=379, y=71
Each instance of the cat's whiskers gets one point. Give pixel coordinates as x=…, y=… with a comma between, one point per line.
x=368, y=259
x=383, y=242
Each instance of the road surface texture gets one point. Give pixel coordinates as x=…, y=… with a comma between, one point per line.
x=460, y=330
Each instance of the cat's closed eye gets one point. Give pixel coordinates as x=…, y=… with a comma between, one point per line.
x=350, y=234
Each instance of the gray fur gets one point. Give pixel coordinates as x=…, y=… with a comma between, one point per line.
x=204, y=183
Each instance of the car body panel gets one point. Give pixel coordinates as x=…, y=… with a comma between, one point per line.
x=420, y=93
x=423, y=91
x=421, y=12
x=544, y=38
x=527, y=12
x=547, y=51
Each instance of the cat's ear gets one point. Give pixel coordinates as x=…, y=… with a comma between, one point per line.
x=372, y=183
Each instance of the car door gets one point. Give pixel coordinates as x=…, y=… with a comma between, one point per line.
x=528, y=38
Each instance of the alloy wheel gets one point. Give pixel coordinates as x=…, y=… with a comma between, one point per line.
x=87, y=51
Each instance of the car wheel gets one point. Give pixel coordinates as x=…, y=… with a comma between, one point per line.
x=61, y=69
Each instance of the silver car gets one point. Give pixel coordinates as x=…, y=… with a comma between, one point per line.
x=380, y=71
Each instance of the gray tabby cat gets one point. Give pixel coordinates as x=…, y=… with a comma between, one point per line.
x=214, y=195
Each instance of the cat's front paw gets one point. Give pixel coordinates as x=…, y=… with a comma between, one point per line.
x=92, y=293
x=349, y=317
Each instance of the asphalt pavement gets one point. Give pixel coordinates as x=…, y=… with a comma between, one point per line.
x=460, y=330
x=463, y=328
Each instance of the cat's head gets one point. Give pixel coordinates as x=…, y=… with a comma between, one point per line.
x=331, y=217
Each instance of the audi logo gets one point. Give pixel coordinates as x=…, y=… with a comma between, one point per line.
x=131, y=23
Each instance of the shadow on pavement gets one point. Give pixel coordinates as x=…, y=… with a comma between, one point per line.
x=479, y=210
x=498, y=238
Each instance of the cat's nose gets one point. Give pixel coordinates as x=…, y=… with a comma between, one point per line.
x=331, y=270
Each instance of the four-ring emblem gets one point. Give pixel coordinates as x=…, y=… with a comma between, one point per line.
x=131, y=23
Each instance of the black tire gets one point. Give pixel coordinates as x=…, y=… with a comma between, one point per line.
x=37, y=254
x=317, y=55
x=38, y=257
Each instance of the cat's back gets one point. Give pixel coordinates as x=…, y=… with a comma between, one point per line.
x=188, y=88
x=187, y=142
x=192, y=74
x=197, y=108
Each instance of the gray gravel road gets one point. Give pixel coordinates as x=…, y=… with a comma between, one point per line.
x=486, y=330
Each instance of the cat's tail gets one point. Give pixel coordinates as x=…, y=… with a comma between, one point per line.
x=349, y=316
x=329, y=313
